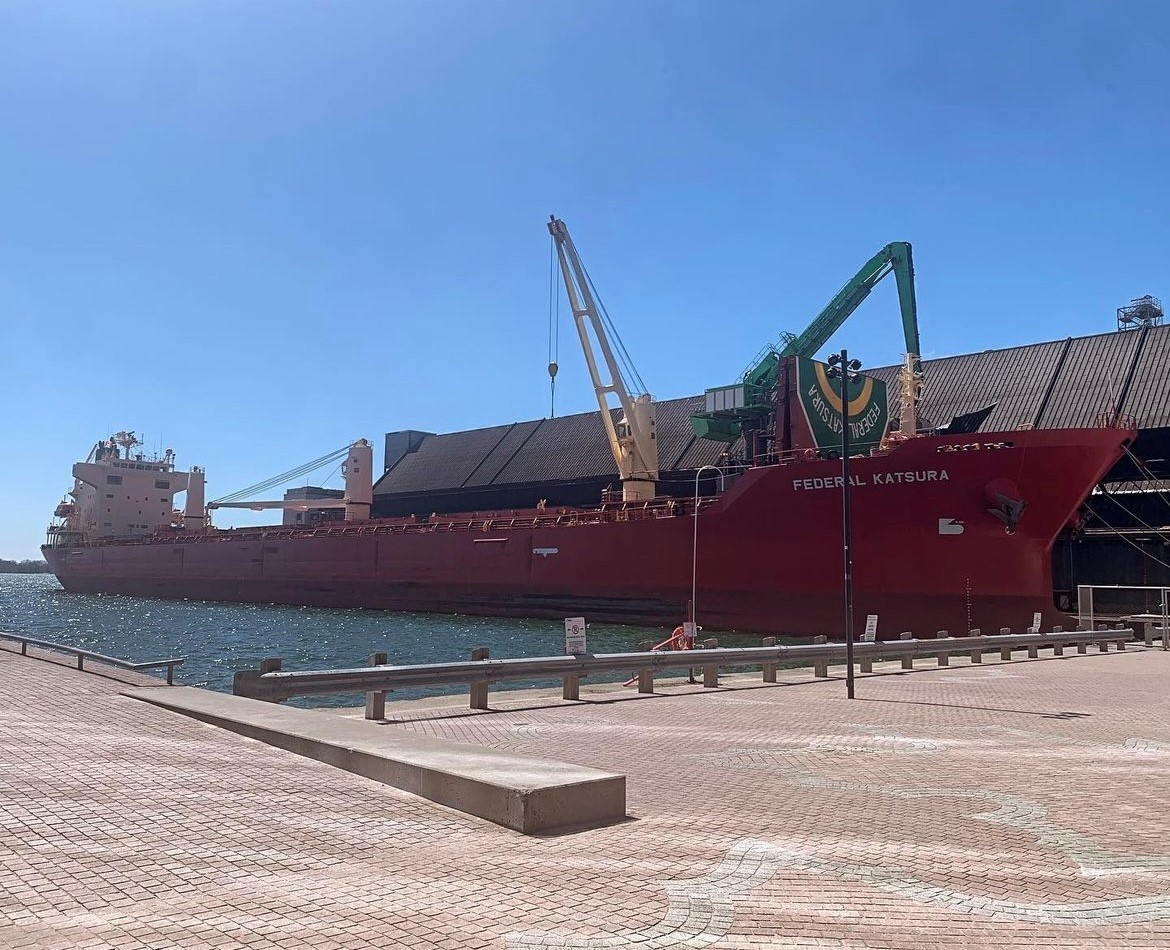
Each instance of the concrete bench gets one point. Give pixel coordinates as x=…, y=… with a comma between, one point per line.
x=526, y=794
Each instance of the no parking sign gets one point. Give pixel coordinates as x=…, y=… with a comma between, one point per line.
x=574, y=635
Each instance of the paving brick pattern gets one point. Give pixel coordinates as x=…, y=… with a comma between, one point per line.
x=1008, y=805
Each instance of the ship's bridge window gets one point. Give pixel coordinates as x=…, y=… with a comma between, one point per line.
x=161, y=483
x=113, y=479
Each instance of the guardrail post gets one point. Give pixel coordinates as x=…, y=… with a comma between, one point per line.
x=1148, y=626
x=1033, y=651
x=769, y=668
x=376, y=699
x=710, y=673
x=1082, y=647
x=1120, y=643
x=479, y=688
x=270, y=664
x=977, y=653
x=907, y=661
x=867, y=659
x=571, y=686
x=1057, y=645
x=944, y=658
x=1005, y=651
x=646, y=677
x=1102, y=646
x=246, y=683
x=24, y=646
x=820, y=667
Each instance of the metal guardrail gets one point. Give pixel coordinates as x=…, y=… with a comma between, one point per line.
x=83, y=655
x=273, y=684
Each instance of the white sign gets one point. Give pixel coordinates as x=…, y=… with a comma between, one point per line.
x=689, y=630
x=574, y=635
x=1035, y=628
x=950, y=526
x=870, y=628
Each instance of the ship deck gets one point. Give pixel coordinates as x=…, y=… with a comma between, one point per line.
x=937, y=810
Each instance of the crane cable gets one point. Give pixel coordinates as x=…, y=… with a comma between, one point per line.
x=627, y=363
x=282, y=478
x=554, y=327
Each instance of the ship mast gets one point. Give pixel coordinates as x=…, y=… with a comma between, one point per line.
x=632, y=439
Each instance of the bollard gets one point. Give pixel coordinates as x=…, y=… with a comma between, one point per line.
x=769, y=668
x=907, y=661
x=571, y=686
x=1149, y=633
x=479, y=688
x=646, y=677
x=820, y=667
x=376, y=699
x=710, y=673
x=944, y=658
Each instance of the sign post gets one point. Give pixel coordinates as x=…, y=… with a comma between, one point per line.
x=574, y=635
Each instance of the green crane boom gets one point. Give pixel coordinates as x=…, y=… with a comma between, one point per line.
x=750, y=403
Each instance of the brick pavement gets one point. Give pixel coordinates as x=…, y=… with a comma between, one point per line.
x=1007, y=805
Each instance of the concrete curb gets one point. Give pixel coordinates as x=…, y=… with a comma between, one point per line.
x=522, y=793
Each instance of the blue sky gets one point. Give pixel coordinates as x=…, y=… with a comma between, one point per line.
x=256, y=231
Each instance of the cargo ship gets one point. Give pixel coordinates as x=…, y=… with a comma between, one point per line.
x=952, y=528
x=935, y=545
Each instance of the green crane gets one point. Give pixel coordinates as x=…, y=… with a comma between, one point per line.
x=751, y=404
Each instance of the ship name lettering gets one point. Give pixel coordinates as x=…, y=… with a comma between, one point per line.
x=878, y=478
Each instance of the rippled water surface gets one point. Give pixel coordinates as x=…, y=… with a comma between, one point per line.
x=218, y=639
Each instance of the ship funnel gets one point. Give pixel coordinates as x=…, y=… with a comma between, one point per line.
x=359, y=481
x=194, y=512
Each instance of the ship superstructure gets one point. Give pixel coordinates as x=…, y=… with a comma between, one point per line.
x=120, y=493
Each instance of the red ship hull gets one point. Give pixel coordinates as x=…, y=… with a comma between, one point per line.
x=934, y=548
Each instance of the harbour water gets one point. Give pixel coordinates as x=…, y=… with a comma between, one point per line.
x=218, y=639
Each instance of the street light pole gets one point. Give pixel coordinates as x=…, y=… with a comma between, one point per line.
x=840, y=363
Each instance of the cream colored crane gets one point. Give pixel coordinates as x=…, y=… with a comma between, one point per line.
x=632, y=439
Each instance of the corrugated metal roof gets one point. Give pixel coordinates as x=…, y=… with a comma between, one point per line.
x=1148, y=399
x=1085, y=384
x=442, y=461
x=491, y=465
x=673, y=426
x=566, y=448
x=1090, y=379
